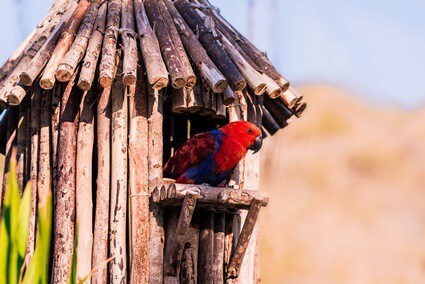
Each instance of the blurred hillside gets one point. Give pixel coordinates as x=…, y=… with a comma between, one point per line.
x=347, y=195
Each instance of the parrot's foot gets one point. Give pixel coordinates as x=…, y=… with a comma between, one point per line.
x=192, y=190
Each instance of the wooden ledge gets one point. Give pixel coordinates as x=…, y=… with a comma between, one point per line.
x=218, y=198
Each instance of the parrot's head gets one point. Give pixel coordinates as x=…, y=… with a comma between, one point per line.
x=246, y=133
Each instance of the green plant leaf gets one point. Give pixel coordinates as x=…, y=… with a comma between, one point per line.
x=21, y=237
x=4, y=251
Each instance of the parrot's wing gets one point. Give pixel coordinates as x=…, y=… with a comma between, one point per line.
x=192, y=153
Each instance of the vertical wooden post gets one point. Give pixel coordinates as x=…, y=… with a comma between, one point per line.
x=219, y=228
x=170, y=237
x=206, y=248
x=189, y=267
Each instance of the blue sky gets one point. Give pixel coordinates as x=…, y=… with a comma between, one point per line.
x=376, y=49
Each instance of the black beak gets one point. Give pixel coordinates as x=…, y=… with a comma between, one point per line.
x=257, y=144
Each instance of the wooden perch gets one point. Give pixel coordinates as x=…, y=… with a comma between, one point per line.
x=155, y=66
x=128, y=36
x=88, y=68
x=209, y=71
x=28, y=76
x=79, y=46
x=174, y=262
x=62, y=46
x=109, y=47
x=169, y=52
x=220, y=197
x=243, y=241
x=178, y=45
x=215, y=50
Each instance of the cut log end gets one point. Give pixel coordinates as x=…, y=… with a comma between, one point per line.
x=105, y=82
x=274, y=93
x=260, y=89
x=190, y=81
x=220, y=86
x=16, y=96
x=129, y=79
x=159, y=83
x=47, y=83
x=228, y=100
x=63, y=74
x=283, y=84
x=179, y=83
x=239, y=86
x=26, y=79
x=84, y=85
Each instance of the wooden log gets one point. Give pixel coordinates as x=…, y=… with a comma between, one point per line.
x=243, y=241
x=173, y=260
x=155, y=66
x=278, y=110
x=209, y=108
x=229, y=242
x=22, y=146
x=138, y=182
x=172, y=219
x=48, y=78
x=169, y=52
x=228, y=96
x=128, y=36
x=220, y=109
x=101, y=223
x=178, y=45
x=206, y=248
x=300, y=109
x=84, y=191
x=269, y=123
x=216, y=196
x=178, y=100
x=209, y=71
x=55, y=119
x=65, y=191
x=213, y=47
x=109, y=48
x=76, y=52
x=155, y=117
x=291, y=97
x=37, y=64
x=219, y=235
x=94, y=47
x=189, y=266
x=194, y=99
x=119, y=175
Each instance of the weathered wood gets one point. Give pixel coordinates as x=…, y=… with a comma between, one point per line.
x=215, y=196
x=218, y=265
x=101, y=223
x=243, y=241
x=206, y=248
x=229, y=242
x=178, y=45
x=138, y=183
x=173, y=260
x=208, y=107
x=119, y=175
x=194, y=99
x=109, y=47
x=55, y=123
x=169, y=52
x=48, y=78
x=37, y=64
x=228, y=96
x=279, y=111
x=155, y=117
x=209, y=71
x=300, y=109
x=171, y=217
x=94, y=47
x=178, y=100
x=220, y=108
x=189, y=265
x=65, y=191
x=76, y=52
x=84, y=190
x=291, y=97
x=128, y=36
x=269, y=123
x=213, y=47
x=155, y=66
x=22, y=144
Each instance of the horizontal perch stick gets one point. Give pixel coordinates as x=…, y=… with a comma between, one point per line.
x=178, y=45
x=209, y=71
x=213, y=195
x=169, y=52
x=128, y=36
x=107, y=62
x=79, y=46
x=213, y=47
x=155, y=66
x=28, y=76
x=48, y=78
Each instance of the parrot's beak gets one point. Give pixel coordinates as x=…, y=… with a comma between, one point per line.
x=257, y=144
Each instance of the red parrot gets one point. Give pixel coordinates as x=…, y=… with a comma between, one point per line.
x=210, y=157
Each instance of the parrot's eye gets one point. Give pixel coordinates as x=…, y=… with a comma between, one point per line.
x=250, y=131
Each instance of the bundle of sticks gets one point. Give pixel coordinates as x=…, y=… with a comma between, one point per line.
x=84, y=95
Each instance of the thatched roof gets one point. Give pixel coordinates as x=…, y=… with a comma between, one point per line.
x=185, y=48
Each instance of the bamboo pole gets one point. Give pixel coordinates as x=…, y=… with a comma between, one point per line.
x=48, y=78
x=155, y=66
x=37, y=64
x=174, y=34
x=128, y=36
x=109, y=48
x=155, y=117
x=189, y=266
x=76, y=52
x=169, y=53
x=119, y=160
x=138, y=183
x=65, y=187
x=101, y=223
x=206, y=248
x=209, y=71
x=84, y=176
x=213, y=47
x=94, y=47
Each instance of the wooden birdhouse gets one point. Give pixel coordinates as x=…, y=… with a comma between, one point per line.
x=98, y=98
